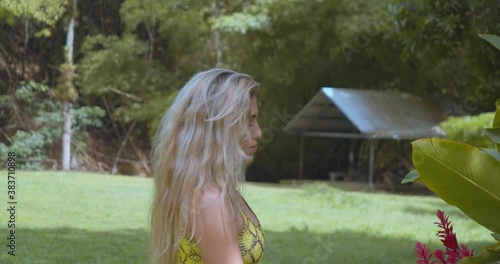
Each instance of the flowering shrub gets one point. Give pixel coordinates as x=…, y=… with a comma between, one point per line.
x=466, y=177
x=453, y=253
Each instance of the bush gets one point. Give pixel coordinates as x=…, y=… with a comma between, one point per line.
x=44, y=116
x=469, y=129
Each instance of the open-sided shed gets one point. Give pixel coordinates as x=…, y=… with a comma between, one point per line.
x=366, y=114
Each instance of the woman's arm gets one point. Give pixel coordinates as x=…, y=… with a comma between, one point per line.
x=217, y=230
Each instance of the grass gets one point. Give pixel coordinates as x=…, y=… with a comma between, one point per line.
x=94, y=218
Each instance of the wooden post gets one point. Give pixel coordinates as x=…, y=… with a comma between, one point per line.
x=351, y=158
x=301, y=158
x=372, y=159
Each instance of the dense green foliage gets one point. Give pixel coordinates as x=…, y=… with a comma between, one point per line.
x=466, y=177
x=110, y=223
x=469, y=129
x=132, y=56
x=440, y=39
x=36, y=143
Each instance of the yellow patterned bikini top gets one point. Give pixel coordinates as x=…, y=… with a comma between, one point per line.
x=251, y=244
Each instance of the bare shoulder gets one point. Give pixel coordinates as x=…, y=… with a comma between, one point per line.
x=216, y=229
x=212, y=205
x=210, y=196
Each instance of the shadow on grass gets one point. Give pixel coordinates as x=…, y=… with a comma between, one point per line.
x=305, y=247
x=71, y=245
x=431, y=207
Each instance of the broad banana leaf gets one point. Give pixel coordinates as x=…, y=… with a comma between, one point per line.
x=496, y=127
x=492, y=152
x=487, y=256
x=494, y=134
x=494, y=40
x=461, y=175
x=411, y=177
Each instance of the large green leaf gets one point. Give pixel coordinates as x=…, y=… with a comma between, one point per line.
x=496, y=119
x=461, y=175
x=412, y=176
x=494, y=134
x=492, y=152
x=496, y=126
x=487, y=256
x=494, y=40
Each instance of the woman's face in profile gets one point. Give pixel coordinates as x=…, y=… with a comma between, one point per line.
x=254, y=128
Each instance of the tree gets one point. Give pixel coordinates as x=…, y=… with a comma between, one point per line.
x=440, y=39
x=42, y=23
x=66, y=91
x=294, y=49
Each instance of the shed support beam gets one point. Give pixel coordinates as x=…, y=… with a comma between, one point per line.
x=372, y=159
x=351, y=159
x=301, y=158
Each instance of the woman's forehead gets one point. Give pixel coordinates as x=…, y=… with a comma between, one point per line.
x=254, y=108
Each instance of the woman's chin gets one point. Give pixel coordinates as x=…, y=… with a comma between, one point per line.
x=249, y=160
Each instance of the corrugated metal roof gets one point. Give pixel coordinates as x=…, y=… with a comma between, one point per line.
x=340, y=112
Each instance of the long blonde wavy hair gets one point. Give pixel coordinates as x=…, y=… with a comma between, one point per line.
x=199, y=144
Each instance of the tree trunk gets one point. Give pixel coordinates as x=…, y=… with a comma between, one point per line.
x=217, y=44
x=66, y=143
x=25, y=49
x=122, y=146
x=142, y=157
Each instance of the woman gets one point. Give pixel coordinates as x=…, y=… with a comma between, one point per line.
x=202, y=147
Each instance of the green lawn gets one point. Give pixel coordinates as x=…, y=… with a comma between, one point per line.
x=94, y=218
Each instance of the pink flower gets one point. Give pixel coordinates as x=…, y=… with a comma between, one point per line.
x=440, y=258
x=452, y=259
x=452, y=255
x=464, y=251
x=422, y=254
x=447, y=236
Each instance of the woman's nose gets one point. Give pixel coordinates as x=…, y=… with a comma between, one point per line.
x=256, y=133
